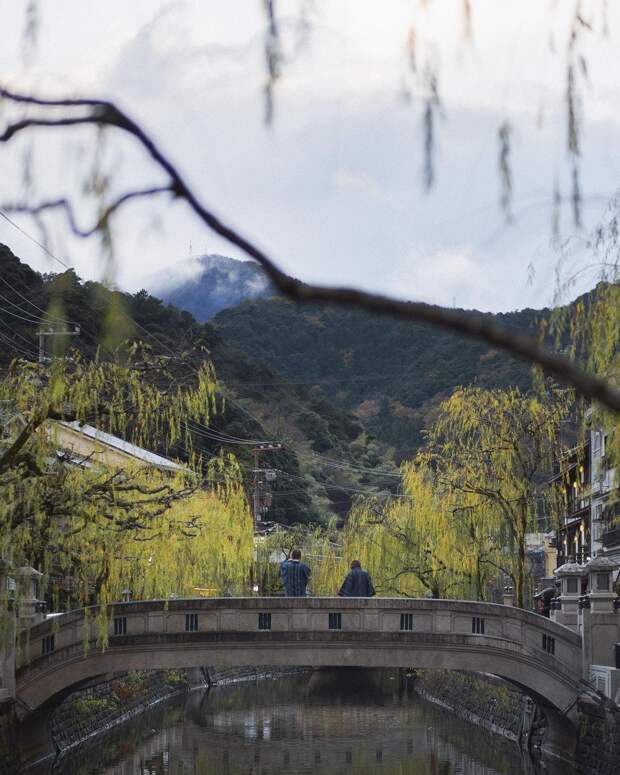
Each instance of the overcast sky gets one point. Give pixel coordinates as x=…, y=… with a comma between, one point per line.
x=333, y=189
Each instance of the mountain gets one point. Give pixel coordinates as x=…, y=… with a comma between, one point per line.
x=327, y=455
x=390, y=374
x=347, y=393
x=204, y=285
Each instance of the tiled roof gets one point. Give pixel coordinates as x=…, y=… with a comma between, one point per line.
x=124, y=446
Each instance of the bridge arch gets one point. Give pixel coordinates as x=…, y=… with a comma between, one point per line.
x=541, y=657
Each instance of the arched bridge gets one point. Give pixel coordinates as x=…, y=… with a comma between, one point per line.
x=542, y=657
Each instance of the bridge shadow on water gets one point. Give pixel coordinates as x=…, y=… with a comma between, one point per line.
x=330, y=721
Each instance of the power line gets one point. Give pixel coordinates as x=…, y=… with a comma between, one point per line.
x=14, y=332
x=32, y=304
x=16, y=347
x=43, y=247
x=215, y=434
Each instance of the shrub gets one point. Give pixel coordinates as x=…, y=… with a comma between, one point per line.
x=176, y=678
x=92, y=706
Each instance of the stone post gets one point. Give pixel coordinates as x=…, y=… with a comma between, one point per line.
x=30, y=607
x=509, y=596
x=7, y=637
x=600, y=628
x=569, y=575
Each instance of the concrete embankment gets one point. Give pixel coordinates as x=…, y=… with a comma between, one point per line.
x=486, y=701
x=498, y=706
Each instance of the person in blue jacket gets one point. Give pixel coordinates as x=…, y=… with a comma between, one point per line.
x=357, y=582
x=295, y=575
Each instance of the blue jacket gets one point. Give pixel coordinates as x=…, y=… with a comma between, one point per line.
x=357, y=584
x=295, y=577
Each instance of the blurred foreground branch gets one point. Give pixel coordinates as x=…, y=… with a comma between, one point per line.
x=101, y=113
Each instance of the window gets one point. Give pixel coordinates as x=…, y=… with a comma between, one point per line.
x=406, y=621
x=264, y=621
x=596, y=443
x=191, y=622
x=335, y=621
x=604, y=445
x=47, y=645
x=572, y=586
x=120, y=625
x=598, y=512
x=477, y=625
x=548, y=644
x=597, y=532
x=602, y=582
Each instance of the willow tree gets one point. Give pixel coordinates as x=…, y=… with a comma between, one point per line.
x=592, y=329
x=323, y=550
x=65, y=513
x=203, y=541
x=424, y=541
x=498, y=447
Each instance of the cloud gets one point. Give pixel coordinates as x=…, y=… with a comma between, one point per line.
x=333, y=188
x=439, y=275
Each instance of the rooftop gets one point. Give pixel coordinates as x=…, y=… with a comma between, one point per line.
x=124, y=446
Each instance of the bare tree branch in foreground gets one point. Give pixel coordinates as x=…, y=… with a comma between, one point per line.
x=103, y=113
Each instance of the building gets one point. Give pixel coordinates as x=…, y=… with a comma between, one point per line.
x=587, y=503
x=605, y=507
x=573, y=520
x=89, y=444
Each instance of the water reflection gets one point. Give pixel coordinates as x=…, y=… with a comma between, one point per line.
x=300, y=726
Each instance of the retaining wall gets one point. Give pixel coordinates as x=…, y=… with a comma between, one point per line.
x=90, y=712
x=484, y=700
x=598, y=751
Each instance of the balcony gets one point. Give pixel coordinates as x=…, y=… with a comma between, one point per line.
x=611, y=537
x=582, y=556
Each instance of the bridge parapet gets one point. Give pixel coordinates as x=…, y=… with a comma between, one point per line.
x=148, y=625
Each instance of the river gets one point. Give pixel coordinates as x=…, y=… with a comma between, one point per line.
x=300, y=725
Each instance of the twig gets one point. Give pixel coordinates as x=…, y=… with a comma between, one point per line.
x=104, y=113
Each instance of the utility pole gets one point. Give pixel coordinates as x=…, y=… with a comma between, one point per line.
x=261, y=497
x=50, y=332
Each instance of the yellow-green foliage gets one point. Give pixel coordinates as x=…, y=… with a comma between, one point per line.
x=493, y=450
x=321, y=551
x=467, y=500
x=109, y=527
x=592, y=330
x=418, y=544
x=205, y=540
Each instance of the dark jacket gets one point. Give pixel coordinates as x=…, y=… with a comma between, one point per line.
x=295, y=577
x=357, y=584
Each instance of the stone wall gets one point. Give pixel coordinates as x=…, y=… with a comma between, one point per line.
x=501, y=708
x=91, y=712
x=598, y=751
x=8, y=751
x=486, y=701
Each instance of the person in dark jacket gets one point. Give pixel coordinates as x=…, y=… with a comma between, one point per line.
x=295, y=575
x=357, y=582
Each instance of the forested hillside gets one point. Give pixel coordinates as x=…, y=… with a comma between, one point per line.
x=346, y=393
x=327, y=457
x=390, y=374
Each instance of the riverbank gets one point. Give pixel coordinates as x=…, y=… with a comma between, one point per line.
x=293, y=728
x=92, y=712
x=499, y=707
x=486, y=701
x=89, y=714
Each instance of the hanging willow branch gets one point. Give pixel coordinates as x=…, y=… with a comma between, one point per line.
x=102, y=113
